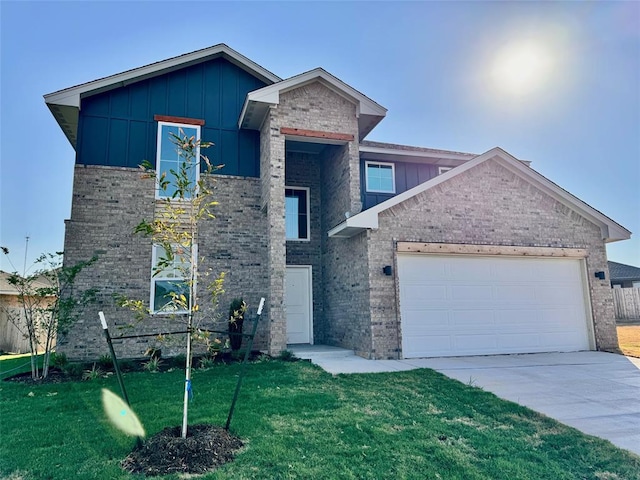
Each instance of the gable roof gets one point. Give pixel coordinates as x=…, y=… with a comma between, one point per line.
x=257, y=103
x=620, y=271
x=65, y=104
x=368, y=219
x=6, y=288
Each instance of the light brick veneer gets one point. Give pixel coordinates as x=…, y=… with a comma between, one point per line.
x=486, y=205
x=108, y=202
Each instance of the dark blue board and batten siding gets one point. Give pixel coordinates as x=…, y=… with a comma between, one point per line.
x=407, y=176
x=117, y=127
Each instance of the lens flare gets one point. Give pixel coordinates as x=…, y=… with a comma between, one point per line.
x=521, y=68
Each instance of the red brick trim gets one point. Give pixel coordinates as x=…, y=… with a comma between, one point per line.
x=345, y=137
x=186, y=121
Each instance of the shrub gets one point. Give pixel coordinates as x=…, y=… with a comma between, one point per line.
x=287, y=356
x=92, y=373
x=153, y=365
x=105, y=362
x=60, y=360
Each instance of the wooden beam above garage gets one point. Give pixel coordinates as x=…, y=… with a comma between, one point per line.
x=506, y=250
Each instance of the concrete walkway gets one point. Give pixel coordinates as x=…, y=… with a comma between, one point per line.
x=598, y=393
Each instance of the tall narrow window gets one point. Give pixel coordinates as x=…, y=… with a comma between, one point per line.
x=169, y=160
x=380, y=177
x=170, y=277
x=296, y=213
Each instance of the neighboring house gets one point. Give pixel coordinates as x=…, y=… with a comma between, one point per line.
x=390, y=250
x=13, y=327
x=624, y=276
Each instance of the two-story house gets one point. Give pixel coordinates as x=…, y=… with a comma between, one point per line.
x=390, y=250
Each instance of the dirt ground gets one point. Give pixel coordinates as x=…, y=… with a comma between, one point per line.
x=205, y=448
x=629, y=340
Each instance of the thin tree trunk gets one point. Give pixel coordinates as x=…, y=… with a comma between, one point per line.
x=187, y=380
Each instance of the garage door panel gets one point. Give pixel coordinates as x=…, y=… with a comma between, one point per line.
x=471, y=319
x=486, y=305
x=422, y=345
x=422, y=323
x=515, y=294
x=425, y=294
x=474, y=273
x=470, y=293
x=520, y=321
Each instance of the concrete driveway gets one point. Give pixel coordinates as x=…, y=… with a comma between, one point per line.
x=596, y=392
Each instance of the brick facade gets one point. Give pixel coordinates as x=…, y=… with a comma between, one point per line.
x=354, y=303
x=487, y=205
x=108, y=202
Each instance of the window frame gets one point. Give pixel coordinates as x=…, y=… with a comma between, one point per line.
x=155, y=248
x=380, y=164
x=442, y=170
x=308, y=213
x=160, y=125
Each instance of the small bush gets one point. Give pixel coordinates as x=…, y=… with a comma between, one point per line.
x=93, y=373
x=153, y=365
x=287, y=356
x=206, y=363
x=60, y=360
x=105, y=362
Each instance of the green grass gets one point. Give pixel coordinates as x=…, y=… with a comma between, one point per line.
x=299, y=422
x=13, y=364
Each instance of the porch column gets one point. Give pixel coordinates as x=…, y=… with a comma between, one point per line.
x=272, y=161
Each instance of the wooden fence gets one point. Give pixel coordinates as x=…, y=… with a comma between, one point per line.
x=626, y=302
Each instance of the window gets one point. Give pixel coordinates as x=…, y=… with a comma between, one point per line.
x=172, y=279
x=441, y=170
x=168, y=158
x=296, y=213
x=380, y=177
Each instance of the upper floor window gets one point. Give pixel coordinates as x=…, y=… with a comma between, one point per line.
x=169, y=160
x=441, y=170
x=169, y=279
x=380, y=177
x=296, y=213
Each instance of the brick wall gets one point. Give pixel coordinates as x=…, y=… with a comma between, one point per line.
x=487, y=205
x=107, y=204
x=272, y=174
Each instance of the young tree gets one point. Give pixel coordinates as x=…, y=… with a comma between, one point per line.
x=185, y=199
x=49, y=304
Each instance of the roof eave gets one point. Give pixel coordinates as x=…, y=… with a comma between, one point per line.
x=256, y=104
x=68, y=101
x=368, y=219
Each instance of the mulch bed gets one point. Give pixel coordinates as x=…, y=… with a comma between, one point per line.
x=205, y=448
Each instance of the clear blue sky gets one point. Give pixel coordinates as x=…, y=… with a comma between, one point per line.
x=432, y=64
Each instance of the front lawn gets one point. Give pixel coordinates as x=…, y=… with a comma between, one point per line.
x=299, y=422
x=629, y=340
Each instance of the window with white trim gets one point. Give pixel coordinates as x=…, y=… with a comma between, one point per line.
x=380, y=177
x=170, y=278
x=296, y=200
x=168, y=156
x=441, y=170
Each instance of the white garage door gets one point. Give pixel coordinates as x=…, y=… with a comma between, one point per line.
x=466, y=305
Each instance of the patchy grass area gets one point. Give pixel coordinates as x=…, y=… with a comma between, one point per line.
x=13, y=364
x=629, y=340
x=298, y=422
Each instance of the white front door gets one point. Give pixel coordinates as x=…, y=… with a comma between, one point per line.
x=298, y=304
